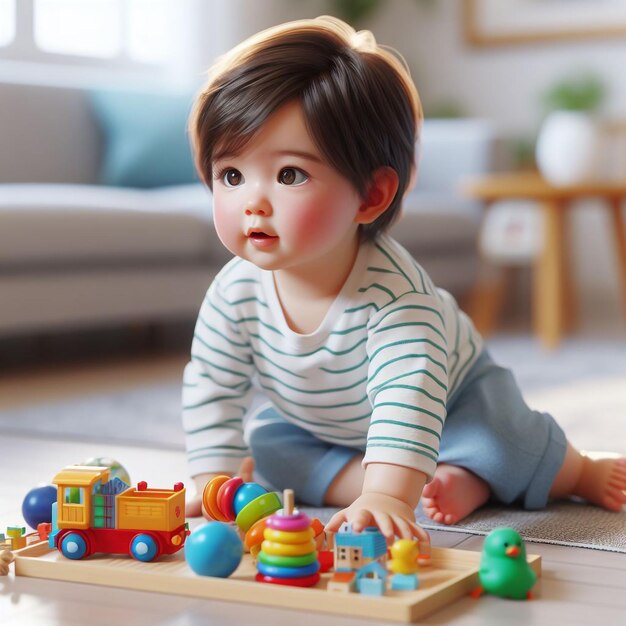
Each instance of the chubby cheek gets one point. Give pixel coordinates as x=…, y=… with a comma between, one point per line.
x=317, y=222
x=227, y=226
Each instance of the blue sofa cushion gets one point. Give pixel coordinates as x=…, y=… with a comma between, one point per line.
x=145, y=137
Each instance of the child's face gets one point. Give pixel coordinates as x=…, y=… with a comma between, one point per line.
x=278, y=203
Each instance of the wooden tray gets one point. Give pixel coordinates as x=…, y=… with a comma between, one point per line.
x=452, y=574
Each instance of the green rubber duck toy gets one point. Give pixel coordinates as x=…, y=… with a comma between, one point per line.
x=504, y=570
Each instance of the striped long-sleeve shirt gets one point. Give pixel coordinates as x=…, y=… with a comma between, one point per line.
x=375, y=375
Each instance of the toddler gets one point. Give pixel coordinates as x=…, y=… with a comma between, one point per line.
x=364, y=386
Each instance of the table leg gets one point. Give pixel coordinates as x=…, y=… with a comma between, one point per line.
x=549, y=277
x=620, y=242
x=570, y=307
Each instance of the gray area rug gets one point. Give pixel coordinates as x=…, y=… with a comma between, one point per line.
x=561, y=523
x=583, y=385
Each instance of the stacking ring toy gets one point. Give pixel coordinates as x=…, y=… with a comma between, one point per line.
x=289, y=523
x=307, y=581
x=287, y=549
x=209, y=498
x=226, y=495
x=246, y=493
x=260, y=507
x=287, y=561
x=301, y=536
x=254, y=535
x=276, y=571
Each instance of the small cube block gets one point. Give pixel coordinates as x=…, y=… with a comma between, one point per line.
x=18, y=542
x=404, y=582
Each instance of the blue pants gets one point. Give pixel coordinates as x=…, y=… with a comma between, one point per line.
x=488, y=430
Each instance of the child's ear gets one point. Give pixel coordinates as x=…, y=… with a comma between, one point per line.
x=380, y=194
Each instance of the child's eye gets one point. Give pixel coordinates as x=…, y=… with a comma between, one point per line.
x=292, y=176
x=232, y=177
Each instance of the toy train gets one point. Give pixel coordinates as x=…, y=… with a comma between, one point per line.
x=96, y=514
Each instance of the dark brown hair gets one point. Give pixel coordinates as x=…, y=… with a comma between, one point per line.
x=360, y=104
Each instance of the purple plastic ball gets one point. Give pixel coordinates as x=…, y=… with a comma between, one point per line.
x=37, y=505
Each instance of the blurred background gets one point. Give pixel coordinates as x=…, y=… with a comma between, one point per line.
x=106, y=241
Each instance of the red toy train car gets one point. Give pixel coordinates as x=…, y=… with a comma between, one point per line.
x=95, y=514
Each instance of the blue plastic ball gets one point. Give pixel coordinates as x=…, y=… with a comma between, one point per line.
x=214, y=549
x=245, y=494
x=37, y=505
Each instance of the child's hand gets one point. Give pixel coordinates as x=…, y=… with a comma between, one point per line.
x=246, y=469
x=392, y=516
x=193, y=507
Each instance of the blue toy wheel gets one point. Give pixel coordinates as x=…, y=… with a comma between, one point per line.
x=73, y=546
x=144, y=547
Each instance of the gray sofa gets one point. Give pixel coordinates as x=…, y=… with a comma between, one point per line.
x=75, y=253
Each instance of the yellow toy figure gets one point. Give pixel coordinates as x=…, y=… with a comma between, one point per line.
x=404, y=564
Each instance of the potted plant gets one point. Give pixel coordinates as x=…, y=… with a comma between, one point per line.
x=569, y=143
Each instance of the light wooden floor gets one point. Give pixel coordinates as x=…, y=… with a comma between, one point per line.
x=578, y=586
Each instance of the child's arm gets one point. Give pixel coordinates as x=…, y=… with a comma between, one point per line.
x=388, y=500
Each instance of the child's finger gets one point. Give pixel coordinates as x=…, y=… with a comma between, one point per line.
x=424, y=540
x=362, y=519
x=335, y=522
x=385, y=525
x=402, y=527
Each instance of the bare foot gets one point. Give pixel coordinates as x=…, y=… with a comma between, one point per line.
x=603, y=482
x=453, y=494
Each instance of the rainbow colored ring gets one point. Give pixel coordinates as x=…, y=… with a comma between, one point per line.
x=288, y=549
x=254, y=535
x=276, y=571
x=282, y=536
x=287, y=561
x=226, y=495
x=307, y=581
x=209, y=497
x=289, y=523
x=260, y=507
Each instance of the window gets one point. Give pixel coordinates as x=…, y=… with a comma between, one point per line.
x=126, y=31
x=135, y=29
x=7, y=21
x=74, y=495
x=79, y=27
x=78, y=43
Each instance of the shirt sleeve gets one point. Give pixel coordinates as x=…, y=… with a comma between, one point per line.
x=407, y=382
x=216, y=388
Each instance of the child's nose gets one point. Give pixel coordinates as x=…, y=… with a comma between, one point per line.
x=259, y=206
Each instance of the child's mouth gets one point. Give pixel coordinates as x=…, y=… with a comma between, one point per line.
x=261, y=239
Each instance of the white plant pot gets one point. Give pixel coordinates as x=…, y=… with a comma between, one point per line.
x=569, y=148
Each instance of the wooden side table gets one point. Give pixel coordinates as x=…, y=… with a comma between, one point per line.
x=553, y=303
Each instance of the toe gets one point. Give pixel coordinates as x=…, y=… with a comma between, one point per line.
x=431, y=489
x=430, y=511
x=449, y=519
